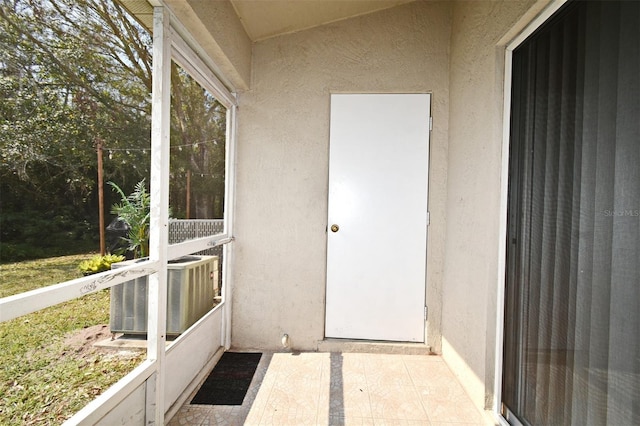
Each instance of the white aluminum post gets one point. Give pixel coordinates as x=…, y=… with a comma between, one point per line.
x=159, y=224
x=229, y=209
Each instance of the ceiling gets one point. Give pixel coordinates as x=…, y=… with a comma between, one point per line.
x=268, y=18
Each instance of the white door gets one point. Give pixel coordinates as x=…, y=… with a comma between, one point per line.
x=376, y=259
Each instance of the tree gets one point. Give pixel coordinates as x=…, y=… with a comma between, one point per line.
x=198, y=138
x=75, y=72
x=94, y=62
x=71, y=73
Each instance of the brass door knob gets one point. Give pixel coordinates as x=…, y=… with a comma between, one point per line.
x=334, y=228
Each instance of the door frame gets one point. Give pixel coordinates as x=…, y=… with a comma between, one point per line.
x=514, y=43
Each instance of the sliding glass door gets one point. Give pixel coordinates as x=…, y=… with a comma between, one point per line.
x=572, y=315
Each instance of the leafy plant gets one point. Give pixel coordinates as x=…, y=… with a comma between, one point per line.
x=134, y=209
x=99, y=263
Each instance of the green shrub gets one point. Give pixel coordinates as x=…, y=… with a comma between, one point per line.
x=99, y=263
x=32, y=234
x=15, y=252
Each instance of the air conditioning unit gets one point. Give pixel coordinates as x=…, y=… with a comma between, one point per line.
x=192, y=285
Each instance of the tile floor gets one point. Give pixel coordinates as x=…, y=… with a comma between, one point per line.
x=344, y=389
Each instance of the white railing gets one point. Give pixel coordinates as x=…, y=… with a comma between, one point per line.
x=31, y=301
x=185, y=237
x=128, y=398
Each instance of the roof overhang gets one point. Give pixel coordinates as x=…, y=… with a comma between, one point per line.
x=263, y=19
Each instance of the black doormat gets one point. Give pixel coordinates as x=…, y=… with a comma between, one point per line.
x=229, y=381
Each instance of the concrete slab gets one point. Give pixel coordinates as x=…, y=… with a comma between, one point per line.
x=373, y=347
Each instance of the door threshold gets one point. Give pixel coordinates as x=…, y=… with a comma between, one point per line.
x=373, y=346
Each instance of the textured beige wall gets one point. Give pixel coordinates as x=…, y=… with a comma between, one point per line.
x=480, y=30
x=283, y=148
x=217, y=28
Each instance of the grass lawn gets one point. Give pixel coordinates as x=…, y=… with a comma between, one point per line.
x=49, y=368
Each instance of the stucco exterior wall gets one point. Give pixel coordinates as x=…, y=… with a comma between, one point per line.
x=480, y=32
x=282, y=157
x=216, y=27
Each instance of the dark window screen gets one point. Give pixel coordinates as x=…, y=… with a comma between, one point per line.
x=572, y=316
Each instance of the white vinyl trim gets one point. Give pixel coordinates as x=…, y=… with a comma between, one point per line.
x=230, y=170
x=502, y=249
x=539, y=20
